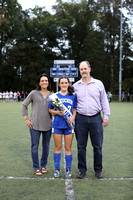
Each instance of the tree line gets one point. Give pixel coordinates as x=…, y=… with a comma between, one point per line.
x=30, y=40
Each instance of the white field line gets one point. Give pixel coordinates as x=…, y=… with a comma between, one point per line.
x=68, y=182
x=63, y=179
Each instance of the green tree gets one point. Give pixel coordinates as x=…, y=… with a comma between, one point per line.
x=109, y=23
x=36, y=47
x=75, y=22
x=10, y=22
x=92, y=31
x=85, y=30
x=30, y=52
x=85, y=41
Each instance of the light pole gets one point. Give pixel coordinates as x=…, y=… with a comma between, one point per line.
x=120, y=69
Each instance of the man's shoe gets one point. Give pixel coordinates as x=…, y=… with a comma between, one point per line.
x=80, y=175
x=99, y=175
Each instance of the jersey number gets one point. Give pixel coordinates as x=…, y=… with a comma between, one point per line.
x=69, y=108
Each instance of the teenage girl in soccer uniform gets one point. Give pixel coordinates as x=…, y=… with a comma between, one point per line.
x=60, y=127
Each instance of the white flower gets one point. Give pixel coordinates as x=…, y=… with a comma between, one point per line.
x=56, y=102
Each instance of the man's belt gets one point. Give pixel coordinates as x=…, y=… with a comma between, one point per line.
x=89, y=115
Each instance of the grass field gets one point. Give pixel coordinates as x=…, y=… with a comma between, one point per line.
x=17, y=181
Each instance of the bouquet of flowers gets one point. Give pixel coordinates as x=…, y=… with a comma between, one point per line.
x=56, y=102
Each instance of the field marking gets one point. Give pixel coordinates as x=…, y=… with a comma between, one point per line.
x=69, y=189
x=68, y=182
x=63, y=179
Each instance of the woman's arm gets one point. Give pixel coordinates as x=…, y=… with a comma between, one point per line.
x=25, y=104
x=28, y=122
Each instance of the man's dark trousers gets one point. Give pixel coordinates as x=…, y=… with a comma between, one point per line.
x=83, y=126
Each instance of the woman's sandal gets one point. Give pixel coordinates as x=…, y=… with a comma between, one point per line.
x=37, y=172
x=44, y=170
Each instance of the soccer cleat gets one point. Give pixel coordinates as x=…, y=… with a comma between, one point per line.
x=56, y=174
x=68, y=174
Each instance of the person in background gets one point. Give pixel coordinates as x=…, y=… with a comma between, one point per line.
x=22, y=95
x=4, y=96
x=122, y=96
x=60, y=127
x=128, y=97
x=40, y=122
x=19, y=96
x=11, y=96
x=25, y=94
x=0, y=96
x=91, y=100
x=108, y=96
x=7, y=96
x=15, y=96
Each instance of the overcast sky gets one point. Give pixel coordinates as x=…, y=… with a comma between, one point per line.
x=26, y=4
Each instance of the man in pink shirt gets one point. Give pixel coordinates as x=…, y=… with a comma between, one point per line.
x=91, y=100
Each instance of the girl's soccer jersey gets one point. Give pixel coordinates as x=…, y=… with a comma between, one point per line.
x=70, y=101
